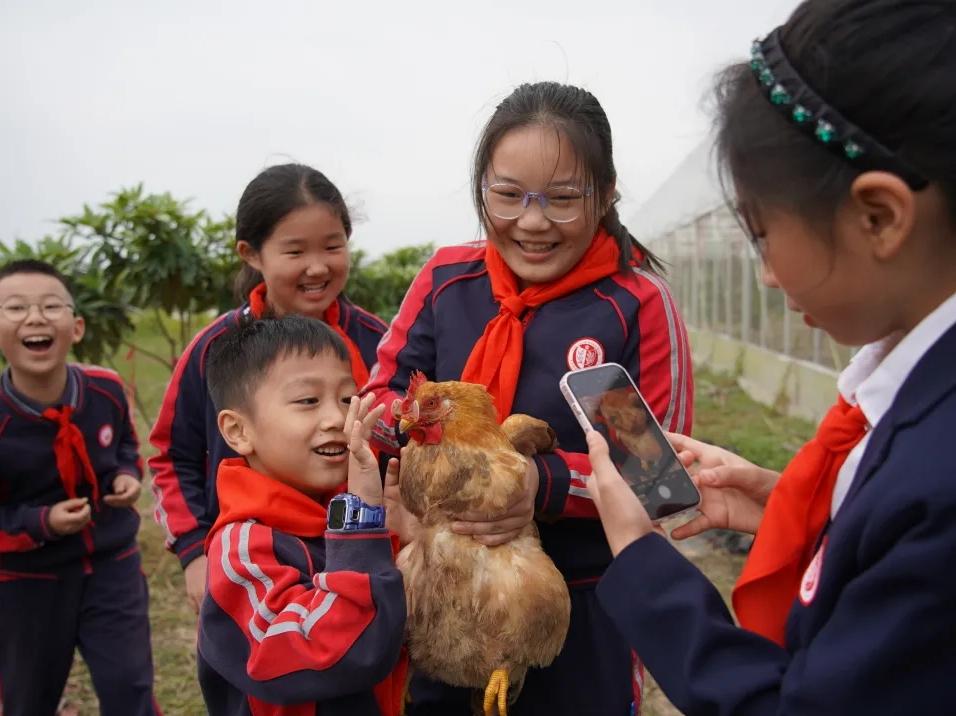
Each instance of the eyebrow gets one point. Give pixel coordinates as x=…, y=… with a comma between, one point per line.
x=300, y=383
x=288, y=240
x=44, y=297
x=572, y=181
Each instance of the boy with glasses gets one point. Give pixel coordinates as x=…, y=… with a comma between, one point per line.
x=70, y=571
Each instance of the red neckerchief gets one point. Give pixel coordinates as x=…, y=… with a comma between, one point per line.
x=495, y=361
x=796, y=513
x=247, y=494
x=69, y=447
x=331, y=317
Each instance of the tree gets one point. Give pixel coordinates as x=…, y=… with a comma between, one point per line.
x=148, y=261
x=379, y=285
x=140, y=258
x=162, y=258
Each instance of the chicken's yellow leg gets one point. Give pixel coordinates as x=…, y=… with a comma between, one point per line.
x=497, y=690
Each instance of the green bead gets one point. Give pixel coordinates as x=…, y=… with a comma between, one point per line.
x=801, y=114
x=825, y=131
x=766, y=76
x=779, y=95
x=853, y=150
x=757, y=64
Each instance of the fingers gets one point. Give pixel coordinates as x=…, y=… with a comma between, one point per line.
x=687, y=458
x=391, y=473
x=747, y=479
x=74, y=504
x=682, y=442
x=368, y=422
x=701, y=523
x=497, y=539
x=508, y=526
x=352, y=414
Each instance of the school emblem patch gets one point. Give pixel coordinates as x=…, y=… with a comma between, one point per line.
x=585, y=353
x=105, y=435
x=811, y=577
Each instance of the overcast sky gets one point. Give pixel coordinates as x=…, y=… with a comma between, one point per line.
x=387, y=99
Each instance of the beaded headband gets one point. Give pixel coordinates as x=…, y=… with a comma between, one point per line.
x=787, y=91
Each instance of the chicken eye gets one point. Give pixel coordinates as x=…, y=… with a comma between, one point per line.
x=431, y=403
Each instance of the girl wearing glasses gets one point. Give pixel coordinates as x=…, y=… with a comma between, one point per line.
x=292, y=233
x=558, y=284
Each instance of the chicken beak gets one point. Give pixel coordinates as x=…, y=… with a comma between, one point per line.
x=409, y=419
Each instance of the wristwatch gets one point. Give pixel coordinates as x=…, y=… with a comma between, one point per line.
x=348, y=512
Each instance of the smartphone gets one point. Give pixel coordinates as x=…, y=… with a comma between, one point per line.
x=604, y=398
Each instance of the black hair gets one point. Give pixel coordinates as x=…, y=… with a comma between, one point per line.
x=887, y=66
x=578, y=115
x=243, y=355
x=19, y=266
x=269, y=198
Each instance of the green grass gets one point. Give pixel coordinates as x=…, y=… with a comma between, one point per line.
x=724, y=415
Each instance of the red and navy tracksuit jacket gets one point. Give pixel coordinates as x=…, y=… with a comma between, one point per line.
x=297, y=621
x=186, y=435
x=628, y=318
x=874, y=633
x=30, y=480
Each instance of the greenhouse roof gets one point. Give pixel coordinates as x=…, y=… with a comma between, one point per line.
x=691, y=191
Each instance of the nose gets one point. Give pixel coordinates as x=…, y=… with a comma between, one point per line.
x=317, y=268
x=332, y=416
x=767, y=275
x=533, y=218
x=34, y=315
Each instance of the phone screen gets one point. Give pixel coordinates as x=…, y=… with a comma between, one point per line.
x=640, y=451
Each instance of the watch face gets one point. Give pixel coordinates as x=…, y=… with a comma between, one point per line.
x=337, y=509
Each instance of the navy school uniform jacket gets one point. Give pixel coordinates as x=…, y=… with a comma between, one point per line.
x=629, y=318
x=295, y=616
x=878, y=636
x=186, y=436
x=30, y=481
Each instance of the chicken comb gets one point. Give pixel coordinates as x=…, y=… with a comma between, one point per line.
x=416, y=381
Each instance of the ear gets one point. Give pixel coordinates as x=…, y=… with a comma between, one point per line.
x=249, y=255
x=884, y=208
x=79, y=329
x=236, y=430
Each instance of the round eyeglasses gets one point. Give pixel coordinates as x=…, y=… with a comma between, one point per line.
x=17, y=309
x=560, y=204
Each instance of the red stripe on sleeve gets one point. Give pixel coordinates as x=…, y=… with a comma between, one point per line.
x=172, y=510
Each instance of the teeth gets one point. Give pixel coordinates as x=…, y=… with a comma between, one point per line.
x=314, y=289
x=37, y=339
x=330, y=451
x=536, y=248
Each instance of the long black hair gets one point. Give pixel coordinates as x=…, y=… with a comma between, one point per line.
x=269, y=198
x=578, y=115
x=887, y=66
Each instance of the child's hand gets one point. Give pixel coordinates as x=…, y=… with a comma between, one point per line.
x=398, y=519
x=364, y=478
x=195, y=578
x=69, y=516
x=733, y=490
x=126, y=489
x=622, y=514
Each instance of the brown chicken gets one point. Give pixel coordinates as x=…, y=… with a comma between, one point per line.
x=478, y=616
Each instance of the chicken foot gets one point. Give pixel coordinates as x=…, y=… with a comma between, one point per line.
x=497, y=690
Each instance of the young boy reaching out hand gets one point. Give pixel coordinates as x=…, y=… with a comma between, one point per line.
x=305, y=607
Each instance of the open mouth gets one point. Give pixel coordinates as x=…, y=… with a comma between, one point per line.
x=313, y=288
x=536, y=247
x=38, y=344
x=331, y=450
